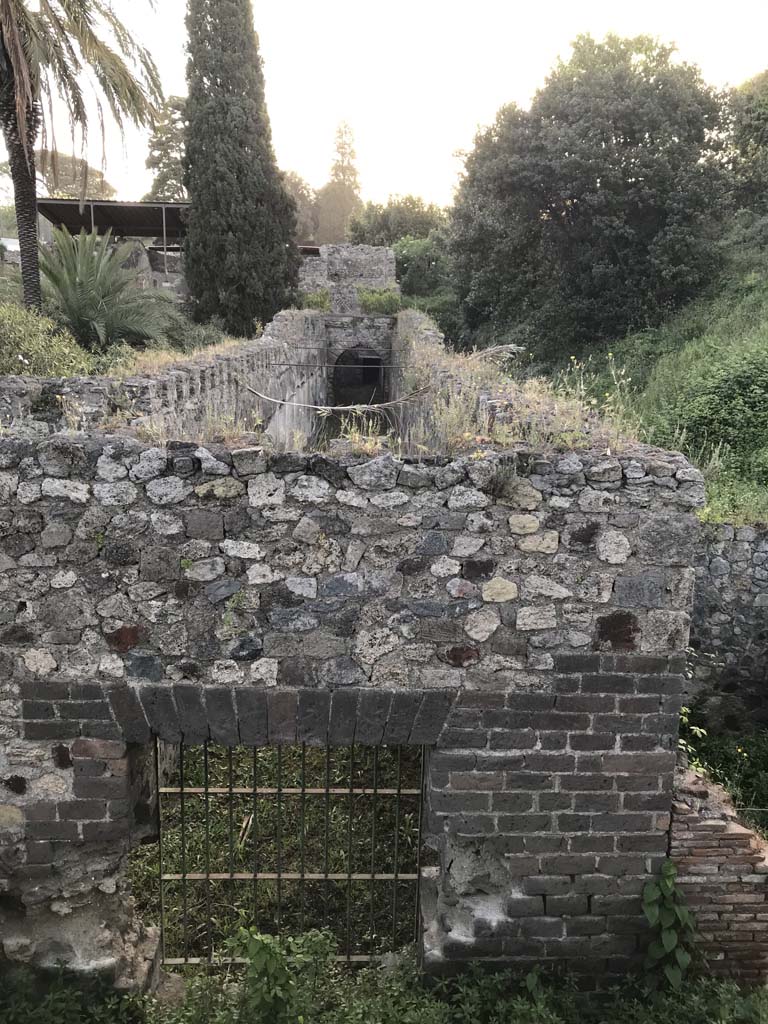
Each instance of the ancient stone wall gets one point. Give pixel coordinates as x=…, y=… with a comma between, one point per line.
x=730, y=623
x=723, y=873
x=179, y=401
x=343, y=269
x=523, y=616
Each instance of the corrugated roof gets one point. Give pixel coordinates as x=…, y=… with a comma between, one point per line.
x=137, y=220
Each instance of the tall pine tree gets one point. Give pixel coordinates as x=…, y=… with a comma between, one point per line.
x=339, y=200
x=240, y=258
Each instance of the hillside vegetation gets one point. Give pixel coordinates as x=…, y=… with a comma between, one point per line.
x=699, y=381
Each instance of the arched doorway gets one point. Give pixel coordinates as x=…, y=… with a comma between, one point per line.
x=359, y=377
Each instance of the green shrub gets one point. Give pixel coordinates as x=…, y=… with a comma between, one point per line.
x=184, y=335
x=296, y=982
x=422, y=264
x=759, y=466
x=319, y=300
x=27, y=997
x=726, y=403
x=735, y=498
x=379, y=301
x=444, y=308
x=34, y=345
x=737, y=761
x=99, y=299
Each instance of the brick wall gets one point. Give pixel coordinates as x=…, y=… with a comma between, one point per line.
x=723, y=872
x=523, y=615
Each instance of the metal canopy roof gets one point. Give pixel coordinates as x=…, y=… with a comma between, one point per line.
x=137, y=220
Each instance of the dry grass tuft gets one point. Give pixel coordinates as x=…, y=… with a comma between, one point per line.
x=479, y=400
x=153, y=361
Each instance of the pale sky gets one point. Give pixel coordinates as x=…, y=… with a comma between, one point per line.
x=415, y=78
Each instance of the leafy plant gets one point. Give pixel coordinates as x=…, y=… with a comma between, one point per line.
x=379, y=301
x=59, y=998
x=99, y=299
x=670, y=952
x=34, y=345
x=688, y=733
x=268, y=991
x=319, y=300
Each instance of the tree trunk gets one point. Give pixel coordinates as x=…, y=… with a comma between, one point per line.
x=22, y=167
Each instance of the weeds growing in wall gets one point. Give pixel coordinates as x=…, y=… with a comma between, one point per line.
x=473, y=400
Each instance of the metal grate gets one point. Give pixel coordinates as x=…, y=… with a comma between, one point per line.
x=287, y=839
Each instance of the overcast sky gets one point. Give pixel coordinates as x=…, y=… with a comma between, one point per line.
x=415, y=78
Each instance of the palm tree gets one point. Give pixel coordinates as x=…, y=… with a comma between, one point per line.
x=99, y=299
x=54, y=54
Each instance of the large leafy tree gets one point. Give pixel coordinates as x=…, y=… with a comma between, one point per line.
x=403, y=216
x=305, y=198
x=340, y=198
x=57, y=52
x=240, y=257
x=749, y=110
x=594, y=211
x=166, y=152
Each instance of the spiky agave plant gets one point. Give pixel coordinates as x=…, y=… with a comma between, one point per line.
x=60, y=51
x=99, y=298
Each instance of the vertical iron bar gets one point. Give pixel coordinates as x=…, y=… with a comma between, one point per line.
x=326, y=862
x=255, y=834
x=231, y=887
x=184, y=903
x=349, y=850
x=417, y=914
x=279, y=838
x=372, y=925
x=161, y=865
x=395, y=868
x=208, y=915
x=165, y=244
x=230, y=801
x=301, y=834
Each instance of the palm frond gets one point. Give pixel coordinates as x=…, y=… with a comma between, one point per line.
x=98, y=297
x=53, y=52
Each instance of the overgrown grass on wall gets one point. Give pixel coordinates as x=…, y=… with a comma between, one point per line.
x=466, y=401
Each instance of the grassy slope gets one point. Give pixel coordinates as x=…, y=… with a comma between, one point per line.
x=732, y=315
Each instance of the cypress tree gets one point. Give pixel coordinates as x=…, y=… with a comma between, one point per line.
x=240, y=259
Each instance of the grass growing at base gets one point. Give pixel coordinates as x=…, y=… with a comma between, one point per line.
x=296, y=984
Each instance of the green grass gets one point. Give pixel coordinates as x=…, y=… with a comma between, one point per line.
x=653, y=376
x=249, y=833
x=309, y=990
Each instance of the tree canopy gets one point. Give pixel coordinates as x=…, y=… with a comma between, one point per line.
x=305, y=198
x=403, y=216
x=594, y=211
x=240, y=258
x=63, y=176
x=749, y=109
x=166, y=152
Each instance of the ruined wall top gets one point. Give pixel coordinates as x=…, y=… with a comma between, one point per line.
x=120, y=561
x=342, y=270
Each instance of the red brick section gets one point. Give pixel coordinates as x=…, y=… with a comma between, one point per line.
x=723, y=871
